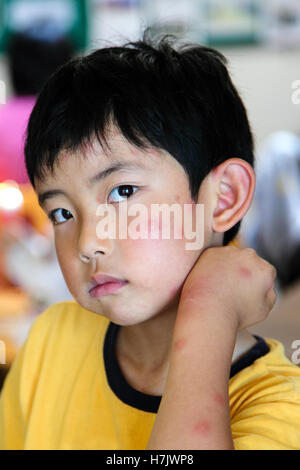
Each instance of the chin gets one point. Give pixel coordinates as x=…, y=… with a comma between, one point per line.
x=126, y=318
x=90, y=306
x=116, y=314
x=123, y=321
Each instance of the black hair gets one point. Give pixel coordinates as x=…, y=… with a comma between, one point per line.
x=179, y=99
x=31, y=61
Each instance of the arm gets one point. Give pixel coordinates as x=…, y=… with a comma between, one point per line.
x=194, y=411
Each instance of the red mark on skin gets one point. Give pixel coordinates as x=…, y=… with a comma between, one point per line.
x=219, y=399
x=202, y=427
x=173, y=291
x=177, y=198
x=198, y=288
x=244, y=272
x=180, y=344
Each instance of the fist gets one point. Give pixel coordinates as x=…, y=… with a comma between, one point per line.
x=237, y=279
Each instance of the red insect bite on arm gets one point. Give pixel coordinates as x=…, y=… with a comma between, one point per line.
x=219, y=399
x=202, y=428
x=180, y=344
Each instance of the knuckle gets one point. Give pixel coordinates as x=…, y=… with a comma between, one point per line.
x=251, y=251
x=272, y=268
x=272, y=298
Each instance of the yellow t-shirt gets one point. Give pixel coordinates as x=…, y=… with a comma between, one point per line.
x=66, y=391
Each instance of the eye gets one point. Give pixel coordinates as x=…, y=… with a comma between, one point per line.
x=57, y=215
x=123, y=191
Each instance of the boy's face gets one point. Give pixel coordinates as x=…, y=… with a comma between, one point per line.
x=155, y=269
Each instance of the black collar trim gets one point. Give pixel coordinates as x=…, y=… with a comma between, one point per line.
x=150, y=403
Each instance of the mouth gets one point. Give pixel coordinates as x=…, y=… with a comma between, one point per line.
x=104, y=284
x=105, y=288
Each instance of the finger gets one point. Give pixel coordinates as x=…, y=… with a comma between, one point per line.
x=272, y=274
x=271, y=297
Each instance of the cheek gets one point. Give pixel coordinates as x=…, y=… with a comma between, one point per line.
x=154, y=226
x=171, y=227
x=162, y=264
x=60, y=253
x=67, y=266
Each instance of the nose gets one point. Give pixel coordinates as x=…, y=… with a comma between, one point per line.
x=89, y=244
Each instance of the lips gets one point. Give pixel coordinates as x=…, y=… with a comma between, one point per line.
x=102, y=284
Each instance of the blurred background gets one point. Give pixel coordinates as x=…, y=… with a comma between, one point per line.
x=262, y=43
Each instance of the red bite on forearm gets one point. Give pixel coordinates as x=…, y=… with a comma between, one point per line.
x=202, y=427
x=219, y=399
x=180, y=344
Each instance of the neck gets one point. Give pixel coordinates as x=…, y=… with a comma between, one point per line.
x=147, y=345
x=143, y=351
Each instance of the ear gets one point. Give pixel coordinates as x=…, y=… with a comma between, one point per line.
x=233, y=189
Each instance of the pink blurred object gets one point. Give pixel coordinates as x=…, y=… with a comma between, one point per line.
x=14, y=117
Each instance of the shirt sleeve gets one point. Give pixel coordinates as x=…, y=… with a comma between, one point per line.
x=12, y=423
x=271, y=423
x=17, y=394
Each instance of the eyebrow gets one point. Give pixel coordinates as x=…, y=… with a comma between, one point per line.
x=114, y=168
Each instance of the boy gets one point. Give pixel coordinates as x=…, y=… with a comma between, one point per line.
x=148, y=124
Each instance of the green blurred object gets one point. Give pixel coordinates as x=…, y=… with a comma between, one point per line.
x=61, y=17
x=233, y=23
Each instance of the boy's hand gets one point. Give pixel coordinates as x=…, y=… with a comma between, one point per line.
x=227, y=289
x=239, y=280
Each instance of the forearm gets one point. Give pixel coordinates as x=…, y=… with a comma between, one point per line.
x=194, y=411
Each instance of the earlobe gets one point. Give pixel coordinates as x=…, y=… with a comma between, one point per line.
x=234, y=184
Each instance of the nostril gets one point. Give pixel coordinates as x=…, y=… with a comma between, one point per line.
x=83, y=258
